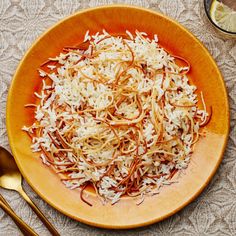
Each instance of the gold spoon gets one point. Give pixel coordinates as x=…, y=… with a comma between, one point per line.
x=24, y=228
x=10, y=178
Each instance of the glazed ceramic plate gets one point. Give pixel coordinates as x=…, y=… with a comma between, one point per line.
x=208, y=151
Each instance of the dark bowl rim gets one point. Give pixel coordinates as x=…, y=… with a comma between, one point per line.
x=209, y=17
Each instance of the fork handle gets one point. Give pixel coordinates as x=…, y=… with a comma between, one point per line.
x=41, y=216
x=25, y=229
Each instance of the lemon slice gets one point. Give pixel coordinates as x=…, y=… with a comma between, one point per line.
x=223, y=16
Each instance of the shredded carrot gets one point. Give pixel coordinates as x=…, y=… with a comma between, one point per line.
x=82, y=197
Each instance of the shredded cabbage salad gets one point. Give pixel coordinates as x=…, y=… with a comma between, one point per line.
x=118, y=113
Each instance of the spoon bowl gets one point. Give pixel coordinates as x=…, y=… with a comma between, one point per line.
x=10, y=177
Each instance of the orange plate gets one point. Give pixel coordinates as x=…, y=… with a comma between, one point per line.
x=204, y=74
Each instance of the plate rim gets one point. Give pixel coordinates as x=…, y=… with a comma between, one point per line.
x=181, y=206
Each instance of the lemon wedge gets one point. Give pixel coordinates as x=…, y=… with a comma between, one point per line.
x=223, y=16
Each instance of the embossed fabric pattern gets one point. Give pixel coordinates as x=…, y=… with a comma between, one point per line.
x=214, y=211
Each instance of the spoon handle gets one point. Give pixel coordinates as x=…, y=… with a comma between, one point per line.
x=25, y=229
x=4, y=201
x=49, y=226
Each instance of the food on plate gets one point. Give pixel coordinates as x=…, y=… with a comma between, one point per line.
x=223, y=15
x=117, y=113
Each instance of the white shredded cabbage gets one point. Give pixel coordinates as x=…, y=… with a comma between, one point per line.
x=120, y=115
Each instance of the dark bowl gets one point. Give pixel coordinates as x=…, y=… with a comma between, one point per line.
x=207, y=6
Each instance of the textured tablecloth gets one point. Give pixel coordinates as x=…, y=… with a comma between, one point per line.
x=214, y=212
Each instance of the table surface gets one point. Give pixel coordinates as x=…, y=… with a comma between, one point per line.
x=214, y=211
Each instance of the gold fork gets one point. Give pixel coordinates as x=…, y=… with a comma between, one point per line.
x=24, y=228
